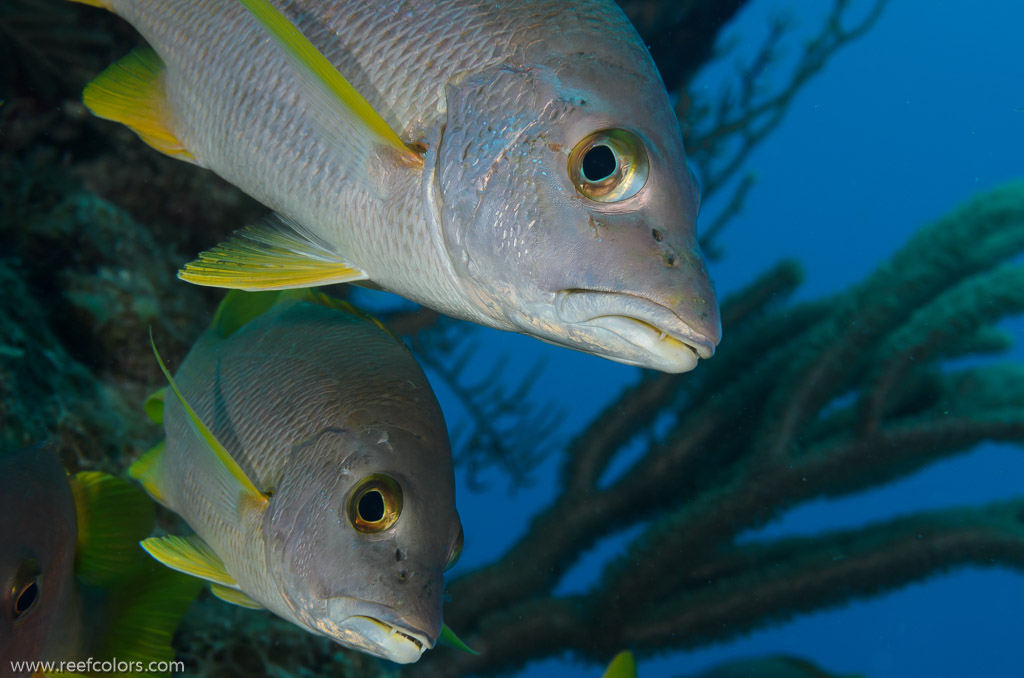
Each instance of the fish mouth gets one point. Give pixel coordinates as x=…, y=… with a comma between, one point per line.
x=400, y=645
x=634, y=330
x=375, y=636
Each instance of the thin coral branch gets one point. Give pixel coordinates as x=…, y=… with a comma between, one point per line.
x=779, y=579
x=975, y=237
x=582, y=514
x=507, y=425
x=708, y=238
x=722, y=135
x=723, y=465
x=741, y=588
x=976, y=302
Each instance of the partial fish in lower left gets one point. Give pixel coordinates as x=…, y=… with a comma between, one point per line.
x=75, y=584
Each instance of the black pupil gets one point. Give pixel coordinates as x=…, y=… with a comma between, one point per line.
x=371, y=506
x=26, y=597
x=599, y=163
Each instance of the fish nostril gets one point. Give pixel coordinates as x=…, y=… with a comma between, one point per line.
x=399, y=555
x=657, y=235
x=671, y=259
x=403, y=574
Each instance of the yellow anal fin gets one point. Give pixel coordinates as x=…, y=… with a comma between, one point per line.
x=189, y=555
x=131, y=91
x=113, y=515
x=147, y=468
x=234, y=596
x=269, y=256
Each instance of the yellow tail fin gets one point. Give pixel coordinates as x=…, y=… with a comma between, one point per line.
x=131, y=92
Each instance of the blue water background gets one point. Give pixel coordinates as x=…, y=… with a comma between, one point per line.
x=901, y=127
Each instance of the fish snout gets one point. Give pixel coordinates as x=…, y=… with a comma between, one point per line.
x=377, y=629
x=637, y=330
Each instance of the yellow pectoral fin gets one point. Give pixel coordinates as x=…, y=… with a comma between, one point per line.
x=269, y=256
x=131, y=92
x=234, y=596
x=190, y=555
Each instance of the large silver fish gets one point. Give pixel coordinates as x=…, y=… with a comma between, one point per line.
x=315, y=470
x=515, y=164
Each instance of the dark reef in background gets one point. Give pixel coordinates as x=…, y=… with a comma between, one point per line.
x=801, y=401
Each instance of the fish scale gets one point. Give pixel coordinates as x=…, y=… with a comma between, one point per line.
x=309, y=401
x=400, y=142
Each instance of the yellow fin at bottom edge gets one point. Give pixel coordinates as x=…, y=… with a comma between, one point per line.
x=269, y=256
x=190, y=555
x=234, y=596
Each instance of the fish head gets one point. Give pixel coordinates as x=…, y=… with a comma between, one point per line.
x=569, y=210
x=38, y=533
x=360, y=546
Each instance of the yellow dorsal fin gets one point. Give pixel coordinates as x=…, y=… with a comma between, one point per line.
x=333, y=85
x=113, y=515
x=233, y=489
x=147, y=469
x=190, y=555
x=268, y=256
x=131, y=92
x=234, y=596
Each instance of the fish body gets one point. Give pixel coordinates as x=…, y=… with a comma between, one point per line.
x=540, y=185
x=76, y=587
x=336, y=506
x=41, y=600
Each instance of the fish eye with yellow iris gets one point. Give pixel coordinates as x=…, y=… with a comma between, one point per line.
x=522, y=174
x=322, y=490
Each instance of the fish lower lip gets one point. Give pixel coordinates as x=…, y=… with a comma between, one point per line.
x=401, y=646
x=645, y=324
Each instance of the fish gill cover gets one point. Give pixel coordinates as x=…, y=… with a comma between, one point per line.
x=830, y=395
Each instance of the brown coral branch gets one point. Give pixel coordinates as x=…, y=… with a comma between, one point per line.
x=745, y=586
x=719, y=470
x=975, y=237
x=976, y=302
x=775, y=581
x=582, y=513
